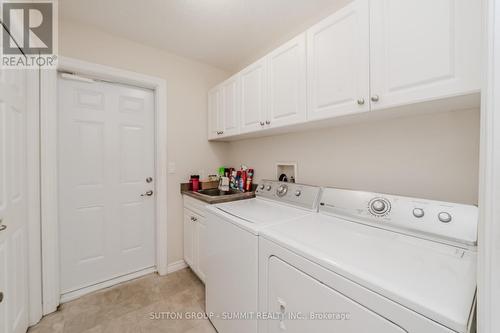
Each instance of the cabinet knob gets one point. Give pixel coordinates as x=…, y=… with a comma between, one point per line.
x=268, y=122
x=361, y=101
x=375, y=98
x=2, y=226
x=262, y=123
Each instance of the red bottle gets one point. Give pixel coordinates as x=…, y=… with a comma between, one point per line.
x=195, y=183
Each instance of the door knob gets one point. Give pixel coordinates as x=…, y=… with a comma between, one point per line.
x=147, y=194
x=2, y=226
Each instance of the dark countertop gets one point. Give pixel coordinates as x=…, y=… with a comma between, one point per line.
x=216, y=199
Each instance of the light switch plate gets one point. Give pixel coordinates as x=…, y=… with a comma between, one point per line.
x=171, y=167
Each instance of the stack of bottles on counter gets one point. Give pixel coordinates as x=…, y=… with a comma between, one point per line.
x=240, y=180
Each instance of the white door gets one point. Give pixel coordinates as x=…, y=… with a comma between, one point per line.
x=214, y=113
x=106, y=155
x=287, y=83
x=230, y=107
x=13, y=202
x=338, y=63
x=293, y=292
x=424, y=49
x=253, y=104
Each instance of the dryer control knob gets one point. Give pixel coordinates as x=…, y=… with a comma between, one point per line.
x=444, y=217
x=418, y=213
x=282, y=190
x=261, y=186
x=378, y=206
x=298, y=193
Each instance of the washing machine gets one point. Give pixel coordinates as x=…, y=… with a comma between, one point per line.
x=233, y=230
x=370, y=262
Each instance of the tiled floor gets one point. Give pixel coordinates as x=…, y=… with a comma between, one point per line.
x=139, y=306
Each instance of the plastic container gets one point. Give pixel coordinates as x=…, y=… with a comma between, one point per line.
x=195, y=183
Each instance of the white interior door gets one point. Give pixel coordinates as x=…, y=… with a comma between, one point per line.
x=106, y=154
x=13, y=202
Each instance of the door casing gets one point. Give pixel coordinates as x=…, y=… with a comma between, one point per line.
x=49, y=158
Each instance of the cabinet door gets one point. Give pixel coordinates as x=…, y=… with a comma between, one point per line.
x=424, y=49
x=202, y=247
x=253, y=97
x=338, y=63
x=214, y=113
x=286, y=68
x=230, y=108
x=188, y=238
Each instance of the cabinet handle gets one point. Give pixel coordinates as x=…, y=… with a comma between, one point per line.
x=2, y=226
x=194, y=219
x=361, y=101
x=1, y=297
x=375, y=98
x=268, y=122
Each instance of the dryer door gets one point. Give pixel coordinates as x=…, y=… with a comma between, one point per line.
x=301, y=304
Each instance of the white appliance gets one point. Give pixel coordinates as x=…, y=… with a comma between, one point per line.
x=232, y=250
x=373, y=263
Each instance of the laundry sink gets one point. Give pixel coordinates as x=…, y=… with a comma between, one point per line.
x=215, y=192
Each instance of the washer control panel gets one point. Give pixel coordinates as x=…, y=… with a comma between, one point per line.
x=304, y=196
x=434, y=220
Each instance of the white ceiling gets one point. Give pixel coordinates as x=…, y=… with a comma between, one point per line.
x=224, y=33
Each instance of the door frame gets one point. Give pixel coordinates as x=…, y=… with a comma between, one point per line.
x=49, y=165
x=489, y=196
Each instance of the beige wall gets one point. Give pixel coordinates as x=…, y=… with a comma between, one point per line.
x=187, y=85
x=432, y=156
x=429, y=156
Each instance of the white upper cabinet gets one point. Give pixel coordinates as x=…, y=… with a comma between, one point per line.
x=369, y=55
x=338, y=63
x=423, y=50
x=286, y=68
x=253, y=98
x=230, y=107
x=214, y=113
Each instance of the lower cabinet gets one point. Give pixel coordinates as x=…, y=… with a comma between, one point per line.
x=195, y=237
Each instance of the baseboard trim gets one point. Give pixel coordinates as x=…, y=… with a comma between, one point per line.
x=176, y=266
x=72, y=295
